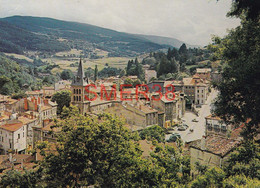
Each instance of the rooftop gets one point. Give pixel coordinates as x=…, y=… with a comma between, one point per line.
x=216, y=144
x=12, y=125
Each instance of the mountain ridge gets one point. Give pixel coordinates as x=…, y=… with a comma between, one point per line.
x=88, y=37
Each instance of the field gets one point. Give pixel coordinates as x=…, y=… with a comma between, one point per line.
x=117, y=62
x=18, y=56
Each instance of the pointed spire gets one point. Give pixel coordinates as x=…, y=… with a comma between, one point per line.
x=80, y=77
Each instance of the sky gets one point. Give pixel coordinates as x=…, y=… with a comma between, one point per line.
x=192, y=21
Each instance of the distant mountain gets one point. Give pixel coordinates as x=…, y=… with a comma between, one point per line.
x=14, y=39
x=23, y=33
x=166, y=41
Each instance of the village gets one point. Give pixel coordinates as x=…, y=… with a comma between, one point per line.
x=207, y=139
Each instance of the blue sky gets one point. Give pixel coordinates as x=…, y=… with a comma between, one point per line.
x=192, y=21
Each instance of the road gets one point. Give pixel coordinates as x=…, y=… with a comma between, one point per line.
x=198, y=127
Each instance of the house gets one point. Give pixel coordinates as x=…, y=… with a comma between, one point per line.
x=215, y=125
x=149, y=74
x=195, y=89
x=18, y=162
x=172, y=109
x=35, y=93
x=16, y=133
x=62, y=85
x=48, y=91
x=13, y=136
x=135, y=114
x=203, y=73
x=213, y=150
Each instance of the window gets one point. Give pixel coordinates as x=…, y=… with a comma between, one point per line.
x=18, y=136
x=23, y=134
x=79, y=91
x=74, y=91
x=10, y=145
x=198, y=91
x=201, y=91
x=74, y=98
x=2, y=139
x=79, y=98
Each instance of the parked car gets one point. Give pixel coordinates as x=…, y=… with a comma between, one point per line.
x=182, y=128
x=185, y=125
x=195, y=120
x=174, y=137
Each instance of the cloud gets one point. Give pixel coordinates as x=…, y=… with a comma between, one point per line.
x=192, y=21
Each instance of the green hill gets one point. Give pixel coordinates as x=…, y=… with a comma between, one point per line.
x=76, y=35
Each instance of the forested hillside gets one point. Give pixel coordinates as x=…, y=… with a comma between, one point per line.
x=16, y=40
x=46, y=34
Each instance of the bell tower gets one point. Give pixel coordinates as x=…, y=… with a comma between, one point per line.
x=78, y=90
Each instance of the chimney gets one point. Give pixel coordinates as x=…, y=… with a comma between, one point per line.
x=31, y=115
x=25, y=104
x=203, y=143
x=35, y=106
x=45, y=101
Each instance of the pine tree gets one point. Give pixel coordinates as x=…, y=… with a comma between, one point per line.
x=95, y=73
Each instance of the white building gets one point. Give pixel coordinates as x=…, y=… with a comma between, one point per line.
x=215, y=125
x=13, y=136
x=149, y=74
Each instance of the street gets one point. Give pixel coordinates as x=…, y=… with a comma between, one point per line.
x=198, y=127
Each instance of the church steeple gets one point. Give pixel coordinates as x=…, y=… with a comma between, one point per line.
x=80, y=79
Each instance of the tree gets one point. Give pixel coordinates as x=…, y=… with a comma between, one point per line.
x=62, y=98
x=212, y=178
x=67, y=74
x=183, y=49
x=95, y=73
x=154, y=132
x=239, y=96
x=13, y=178
x=97, y=151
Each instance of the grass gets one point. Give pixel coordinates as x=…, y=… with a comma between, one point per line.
x=18, y=56
x=117, y=62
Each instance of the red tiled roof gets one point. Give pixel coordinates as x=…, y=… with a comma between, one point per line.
x=217, y=144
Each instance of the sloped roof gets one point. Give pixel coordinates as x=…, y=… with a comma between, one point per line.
x=216, y=144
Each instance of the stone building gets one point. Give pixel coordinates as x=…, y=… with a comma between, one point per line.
x=139, y=114
x=149, y=74
x=78, y=91
x=215, y=125
x=212, y=151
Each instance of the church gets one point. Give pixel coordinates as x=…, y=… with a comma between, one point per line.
x=78, y=91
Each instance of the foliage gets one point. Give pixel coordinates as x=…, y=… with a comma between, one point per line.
x=14, y=77
x=154, y=132
x=96, y=151
x=240, y=181
x=245, y=161
x=95, y=73
x=109, y=71
x=19, y=34
x=13, y=178
x=212, y=178
x=62, y=98
x=239, y=99
x=67, y=74
x=134, y=68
